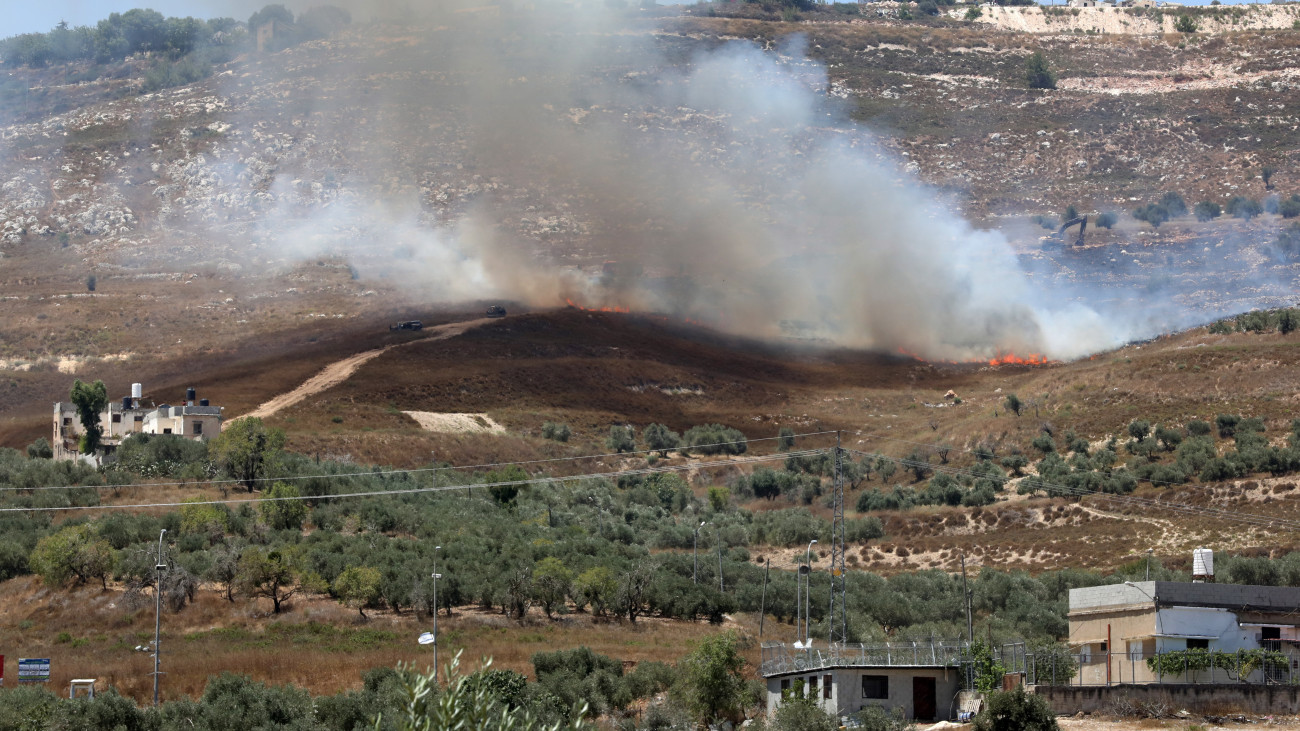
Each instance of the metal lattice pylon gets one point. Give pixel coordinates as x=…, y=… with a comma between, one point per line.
x=838, y=618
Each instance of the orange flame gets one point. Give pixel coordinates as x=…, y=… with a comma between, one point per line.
x=1032, y=359
x=576, y=306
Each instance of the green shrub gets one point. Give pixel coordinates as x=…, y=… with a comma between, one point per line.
x=1207, y=210
x=1016, y=710
x=714, y=439
x=1107, y=220
x=556, y=432
x=621, y=439
x=1038, y=72
x=1242, y=207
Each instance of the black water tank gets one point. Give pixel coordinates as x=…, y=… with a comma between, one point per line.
x=203, y=402
x=126, y=402
x=189, y=395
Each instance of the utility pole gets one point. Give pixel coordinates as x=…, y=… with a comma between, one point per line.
x=762, y=602
x=720, y=584
x=970, y=625
x=1149, y=550
x=965, y=593
x=435, y=576
x=838, y=626
x=695, y=554
x=157, y=616
x=807, y=595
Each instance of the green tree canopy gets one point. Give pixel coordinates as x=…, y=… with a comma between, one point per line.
x=76, y=551
x=281, y=509
x=358, y=586
x=244, y=449
x=89, y=399
x=712, y=681
x=1038, y=72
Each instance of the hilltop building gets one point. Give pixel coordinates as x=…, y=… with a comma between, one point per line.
x=134, y=414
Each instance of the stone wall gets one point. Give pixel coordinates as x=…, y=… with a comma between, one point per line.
x=1195, y=698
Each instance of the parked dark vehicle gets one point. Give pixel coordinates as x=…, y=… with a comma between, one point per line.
x=496, y=311
x=408, y=325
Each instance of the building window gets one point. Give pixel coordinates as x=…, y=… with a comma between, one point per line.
x=117, y=418
x=167, y=431
x=139, y=418
x=785, y=686
x=67, y=421
x=812, y=687
x=875, y=686
x=1198, y=644
x=1103, y=648
x=198, y=427
x=826, y=687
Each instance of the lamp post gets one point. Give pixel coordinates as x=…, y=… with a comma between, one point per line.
x=807, y=617
x=435, y=576
x=1149, y=551
x=695, y=553
x=157, y=616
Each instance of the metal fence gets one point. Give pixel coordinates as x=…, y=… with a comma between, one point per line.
x=782, y=658
x=1258, y=667
x=1047, y=666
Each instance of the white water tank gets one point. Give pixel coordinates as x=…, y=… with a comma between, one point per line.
x=1203, y=563
x=137, y=390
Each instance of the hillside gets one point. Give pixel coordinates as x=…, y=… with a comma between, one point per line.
x=721, y=219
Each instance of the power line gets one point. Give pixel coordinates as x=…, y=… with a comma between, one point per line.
x=442, y=488
x=410, y=471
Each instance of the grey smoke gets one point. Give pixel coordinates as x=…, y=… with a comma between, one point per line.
x=733, y=180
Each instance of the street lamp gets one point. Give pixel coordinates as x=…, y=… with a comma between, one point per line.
x=807, y=618
x=695, y=553
x=157, y=616
x=435, y=576
x=1155, y=603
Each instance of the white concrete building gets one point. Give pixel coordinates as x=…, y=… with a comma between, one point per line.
x=1114, y=628
x=134, y=414
x=922, y=679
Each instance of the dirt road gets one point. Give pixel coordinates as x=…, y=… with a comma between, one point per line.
x=340, y=371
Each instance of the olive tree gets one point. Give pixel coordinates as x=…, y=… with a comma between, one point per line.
x=244, y=449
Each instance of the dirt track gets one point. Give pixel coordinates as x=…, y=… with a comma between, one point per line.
x=340, y=371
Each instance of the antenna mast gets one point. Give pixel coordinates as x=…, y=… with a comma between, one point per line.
x=838, y=618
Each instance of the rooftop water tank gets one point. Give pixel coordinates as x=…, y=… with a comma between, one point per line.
x=137, y=390
x=1203, y=564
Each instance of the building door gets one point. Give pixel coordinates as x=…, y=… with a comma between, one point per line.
x=923, y=701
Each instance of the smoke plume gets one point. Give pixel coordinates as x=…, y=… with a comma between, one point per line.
x=727, y=185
